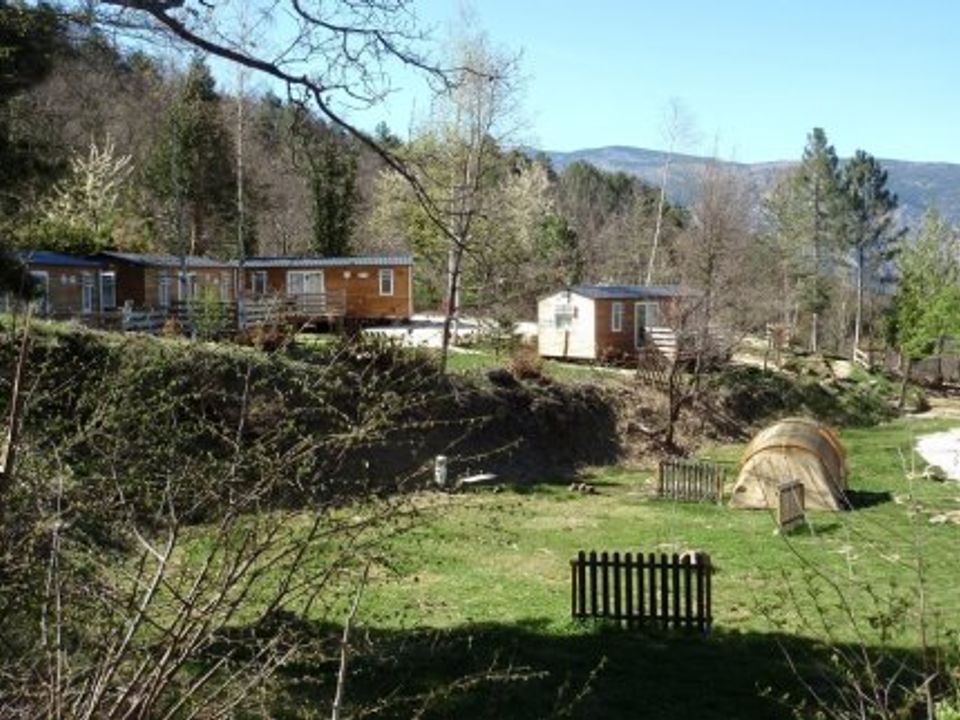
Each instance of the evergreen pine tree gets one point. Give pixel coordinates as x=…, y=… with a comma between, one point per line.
x=333, y=182
x=819, y=187
x=871, y=231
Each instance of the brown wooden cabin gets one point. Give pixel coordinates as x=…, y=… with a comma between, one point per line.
x=599, y=322
x=356, y=288
x=153, y=281
x=71, y=286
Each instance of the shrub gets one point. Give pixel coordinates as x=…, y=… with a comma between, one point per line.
x=208, y=315
x=526, y=363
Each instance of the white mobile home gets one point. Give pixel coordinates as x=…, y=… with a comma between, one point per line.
x=597, y=322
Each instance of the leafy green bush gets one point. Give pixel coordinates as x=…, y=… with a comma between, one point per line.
x=208, y=314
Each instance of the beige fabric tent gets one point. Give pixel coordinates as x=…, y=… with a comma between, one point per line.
x=793, y=449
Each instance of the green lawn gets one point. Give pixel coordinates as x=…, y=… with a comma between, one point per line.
x=478, y=361
x=505, y=557
x=480, y=588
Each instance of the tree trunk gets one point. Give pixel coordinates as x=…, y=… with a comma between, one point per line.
x=658, y=228
x=241, y=245
x=858, y=320
x=938, y=379
x=8, y=453
x=815, y=333
x=453, y=294
x=906, y=362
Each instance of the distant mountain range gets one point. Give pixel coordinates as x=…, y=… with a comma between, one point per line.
x=917, y=184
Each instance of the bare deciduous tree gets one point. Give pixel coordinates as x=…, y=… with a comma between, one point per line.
x=677, y=129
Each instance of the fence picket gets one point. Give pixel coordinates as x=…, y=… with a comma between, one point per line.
x=617, y=567
x=582, y=582
x=652, y=585
x=664, y=590
x=640, y=596
x=604, y=567
x=675, y=589
x=669, y=591
x=628, y=586
x=593, y=583
x=692, y=481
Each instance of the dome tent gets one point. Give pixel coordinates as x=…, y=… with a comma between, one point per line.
x=793, y=449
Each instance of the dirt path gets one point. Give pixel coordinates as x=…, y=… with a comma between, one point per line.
x=941, y=407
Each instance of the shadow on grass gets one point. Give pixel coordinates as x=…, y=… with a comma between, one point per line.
x=523, y=671
x=860, y=499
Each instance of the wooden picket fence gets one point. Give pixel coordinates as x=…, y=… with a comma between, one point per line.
x=791, y=511
x=668, y=591
x=691, y=481
x=653, y=377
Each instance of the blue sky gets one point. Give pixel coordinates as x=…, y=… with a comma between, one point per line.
x=756, y=75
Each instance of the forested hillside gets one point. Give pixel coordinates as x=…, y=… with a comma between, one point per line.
x=917, y=184
x=121, y=149
x=108, y=145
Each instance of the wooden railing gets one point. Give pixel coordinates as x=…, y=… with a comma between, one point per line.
x=264, y=310
x=691, y=481
x=637, y=590
x=151, y=321
x=327, y=304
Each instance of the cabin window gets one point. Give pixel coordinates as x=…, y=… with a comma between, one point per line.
x=192, y=285
x=386, y=282
x=163, y=291
x=649, y=312
x=108, y=290
x=563, y=317
x=260, y=283
x=616, y=317
x=304, y=283
x=86, y=294
x=226, y=286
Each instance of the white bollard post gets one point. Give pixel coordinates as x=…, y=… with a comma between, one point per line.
x=440, y=471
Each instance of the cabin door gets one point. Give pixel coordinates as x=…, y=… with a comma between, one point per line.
x=86, y=293
x=644, y=317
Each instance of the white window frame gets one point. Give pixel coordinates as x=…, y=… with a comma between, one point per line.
x=563, y=316
x=104, y=305
x=386, y=274
x=86, y=293
x=259, y=283
x=163, y=290
x=192, y=283
x=226, y=285
x=301, y=276
x=616, y=316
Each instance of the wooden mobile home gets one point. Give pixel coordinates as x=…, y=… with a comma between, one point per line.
x=71, y=286
x=599, y=322
x=356, y=288
x=153, y=281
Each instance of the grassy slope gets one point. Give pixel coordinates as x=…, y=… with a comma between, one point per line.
x=479, y=361
x=489, y=573
x=483, y=583
x=504, y=558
